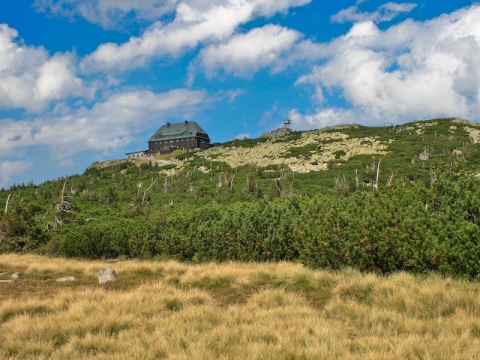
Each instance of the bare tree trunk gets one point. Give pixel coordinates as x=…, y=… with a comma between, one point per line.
x=390, y=179
x=433, y=177
x=145, y=192
x=6, y=204
x=378, y=173
x=64, y=204
x=165, y=186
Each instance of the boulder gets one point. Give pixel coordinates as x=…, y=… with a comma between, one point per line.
x=67, y=278
x=16, y=275
x=106, y=275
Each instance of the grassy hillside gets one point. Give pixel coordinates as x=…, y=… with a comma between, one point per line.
x=379, y=199
x=160, y=310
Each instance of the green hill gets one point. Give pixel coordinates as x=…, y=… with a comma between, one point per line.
x=376, y=198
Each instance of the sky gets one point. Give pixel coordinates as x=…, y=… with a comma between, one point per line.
x=89, y=80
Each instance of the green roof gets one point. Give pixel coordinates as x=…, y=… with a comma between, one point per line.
x=182, y=130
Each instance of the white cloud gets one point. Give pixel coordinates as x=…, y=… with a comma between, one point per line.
x=386, y=12
x=320, y=119
x=9, y=169
x=195, y=22
x=242, y=136
x=108, y=13
x=247, y=53
x=30, y=78
x=409, y=71
x=108, y=126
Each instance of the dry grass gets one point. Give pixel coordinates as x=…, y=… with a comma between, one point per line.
x=231, y=311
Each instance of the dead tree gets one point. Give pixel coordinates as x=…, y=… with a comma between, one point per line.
x=145, y=192
x=139, y=186
x=165, y=186
x=390, y=178
x=6, y=204
x=378, y=174
x=63, y=207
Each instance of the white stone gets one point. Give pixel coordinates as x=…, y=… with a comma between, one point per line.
x=106, y=275
x=67, y=278
x=16, y=276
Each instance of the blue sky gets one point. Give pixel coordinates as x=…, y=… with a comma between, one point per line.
x=89, y=80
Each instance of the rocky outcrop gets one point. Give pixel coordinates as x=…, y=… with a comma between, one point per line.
x=328, y=145
x=474, y=134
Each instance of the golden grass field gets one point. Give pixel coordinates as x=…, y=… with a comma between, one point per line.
x=169, y=310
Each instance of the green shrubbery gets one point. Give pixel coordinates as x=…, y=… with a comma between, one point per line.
x=403, y=227
x=418, y=220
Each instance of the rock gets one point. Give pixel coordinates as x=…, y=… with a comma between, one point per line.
x=6, y=281
x=424, y=155
x=67, y=278
x=106, y=275
x=16, y=276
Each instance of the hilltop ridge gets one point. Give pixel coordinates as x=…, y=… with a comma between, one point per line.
x=317, y=150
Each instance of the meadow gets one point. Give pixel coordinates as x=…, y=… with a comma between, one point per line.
x=233, y=310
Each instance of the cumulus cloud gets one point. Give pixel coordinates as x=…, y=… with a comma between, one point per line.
x=411, y=70
x=9, y=169
x=30, y=78
x=386, y=12
x=242, y=136
x=246, y=53
x=108, y=13
x=320, y=119
x=196, y=22
x=107, y=126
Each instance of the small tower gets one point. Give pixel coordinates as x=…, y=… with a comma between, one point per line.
x=287, y=125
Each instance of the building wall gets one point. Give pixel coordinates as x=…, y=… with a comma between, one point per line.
x=184, y=143
x=137, y=155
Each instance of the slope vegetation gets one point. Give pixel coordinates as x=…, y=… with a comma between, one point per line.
x=381, y=199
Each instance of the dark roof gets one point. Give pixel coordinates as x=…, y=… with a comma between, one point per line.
x=185, y=129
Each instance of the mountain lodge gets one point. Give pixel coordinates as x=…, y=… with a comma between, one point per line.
x=184, y=135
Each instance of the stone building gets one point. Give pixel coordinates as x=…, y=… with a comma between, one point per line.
x=185, y=135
